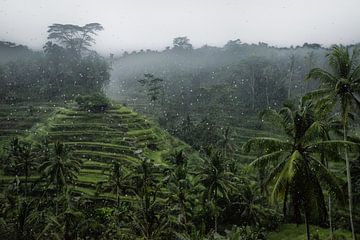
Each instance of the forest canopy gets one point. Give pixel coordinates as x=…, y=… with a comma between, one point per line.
x=60, y=71
x=239, y=142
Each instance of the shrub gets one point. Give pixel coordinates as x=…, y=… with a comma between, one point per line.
x=93, y=103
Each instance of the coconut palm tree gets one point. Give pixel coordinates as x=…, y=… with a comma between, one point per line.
x=116, y=182
x=149, y=218
x=296, y=169
x=216, y=179
x=60, y=170
x=179, y=186
x=340, y=85
x=226, y=142
x=328, y=124
x=65, y=225
x=21, y=160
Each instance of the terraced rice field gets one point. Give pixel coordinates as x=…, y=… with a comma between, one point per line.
x=96, y=139
x=241, y=128
x=18, y=120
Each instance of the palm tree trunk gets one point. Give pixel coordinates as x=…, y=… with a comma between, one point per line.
x=329, y=200
x=267, y=93
x=292, y=63
x=253, y=90
x=216, y=214
x=307, y=226
x=56, y=205
x=26, y=178
x=285, y=202
x=289, y=87
x=118, y=198
x=348, y=177
x=330, y=220
x=184, y=214
x=57, y=201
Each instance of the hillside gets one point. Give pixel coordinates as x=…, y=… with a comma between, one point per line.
x=95, y=139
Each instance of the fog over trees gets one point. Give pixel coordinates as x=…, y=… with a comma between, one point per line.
x=234, y=141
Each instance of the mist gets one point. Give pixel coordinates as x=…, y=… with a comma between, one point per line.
x=138, y=24
x=194, y=119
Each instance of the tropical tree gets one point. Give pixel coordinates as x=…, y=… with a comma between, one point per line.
x=154, y=87
x=60, y=170
x=178, y=186
x=340, y=85
x=64, y=225
x=116, y=182
x=182, y=43
x=253, y=211
x=226, y=142
x=213, y=175
x=21, y=160
x=296, y=170
x=149, y=218
x=74, y=37
x=328, y=125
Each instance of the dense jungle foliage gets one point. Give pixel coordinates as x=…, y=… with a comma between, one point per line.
x=244, y=141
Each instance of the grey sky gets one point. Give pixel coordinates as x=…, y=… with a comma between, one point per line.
x=136, y=24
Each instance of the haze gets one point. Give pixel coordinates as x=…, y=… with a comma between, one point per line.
x=142, y=24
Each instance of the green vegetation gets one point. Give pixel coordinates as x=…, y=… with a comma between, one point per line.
x=250, y=154
x=291, y=231
x=94, y=103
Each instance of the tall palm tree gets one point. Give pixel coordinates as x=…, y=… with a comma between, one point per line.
x=341, y=85
x=253, y=211
x=116, y=181
x=296, y=169
x=149, y=218
x=65, y=225
x=328, y=123
x=216, y=179
x=226, y=142
x=179, y=186
x=21, y=159
x=60, y=170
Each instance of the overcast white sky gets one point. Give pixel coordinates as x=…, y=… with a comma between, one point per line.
x=136, y=24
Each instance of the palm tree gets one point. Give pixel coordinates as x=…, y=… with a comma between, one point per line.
x=226, y=143
x=60, y=170
x=327, y=123
x=21, y=159
x=297, y=171
x=253, y=211
x=23, y=227
x=216, y=179
x=63, y=226
x=148, y=218
x=179, y=186
x=116, y=182
x=340, y=85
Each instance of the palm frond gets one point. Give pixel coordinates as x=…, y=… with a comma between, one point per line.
x=330, y=145
x=275, y=171
x=267, y=158
x=339, y=61
x=288, y=120
x=328, y=178
x=322, y=75
x=316, y=131
x=271, y=116
x=266, y=144
x=316, y=94
x=355, y=74
x=285, y=177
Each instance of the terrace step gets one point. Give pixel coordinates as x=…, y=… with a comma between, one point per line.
x=105, y=157
x=103, y=147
